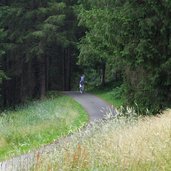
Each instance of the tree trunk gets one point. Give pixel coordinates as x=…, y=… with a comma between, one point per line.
x=39, y=76
x=64, y=65
x=42, y=78
x=46, y=73
x=68, y=73
x=103, y=72
x=67, y=70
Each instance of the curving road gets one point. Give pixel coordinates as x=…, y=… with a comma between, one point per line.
x=94, y=106
x=96, y=109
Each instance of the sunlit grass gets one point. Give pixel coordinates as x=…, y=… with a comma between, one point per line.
x=117, y=144
x=38, y=123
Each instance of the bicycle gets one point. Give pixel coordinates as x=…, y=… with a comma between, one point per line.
x=81, y=86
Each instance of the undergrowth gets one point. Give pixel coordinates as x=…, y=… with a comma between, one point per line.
x=111, y=94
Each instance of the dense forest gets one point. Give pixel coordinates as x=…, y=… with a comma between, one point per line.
x=45, y=45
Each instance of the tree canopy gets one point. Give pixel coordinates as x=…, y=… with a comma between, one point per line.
x=42, y=42
x=134, y=37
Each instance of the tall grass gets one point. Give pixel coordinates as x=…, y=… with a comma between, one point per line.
x=116, y=144
x=38, y=123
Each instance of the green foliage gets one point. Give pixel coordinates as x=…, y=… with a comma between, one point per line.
x=133, y=37
x=95, y=51
x=112, y=93
x=37, y=44
x=24, y=23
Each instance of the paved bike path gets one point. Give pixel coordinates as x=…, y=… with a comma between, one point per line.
x=94, y=106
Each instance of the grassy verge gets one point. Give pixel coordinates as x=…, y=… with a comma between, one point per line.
x=107, y=93
x=38, y=123
x=117, y=144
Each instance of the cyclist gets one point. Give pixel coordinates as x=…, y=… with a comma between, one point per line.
x=81, y=84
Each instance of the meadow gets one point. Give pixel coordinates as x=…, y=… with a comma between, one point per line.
x=36, y=123
x=117, y=143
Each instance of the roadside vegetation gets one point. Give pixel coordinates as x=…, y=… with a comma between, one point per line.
x=109, y=96
x=120, y=143
x=38, y=123
x=110, y=93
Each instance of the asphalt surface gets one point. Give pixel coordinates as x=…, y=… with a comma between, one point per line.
x=95, y=107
